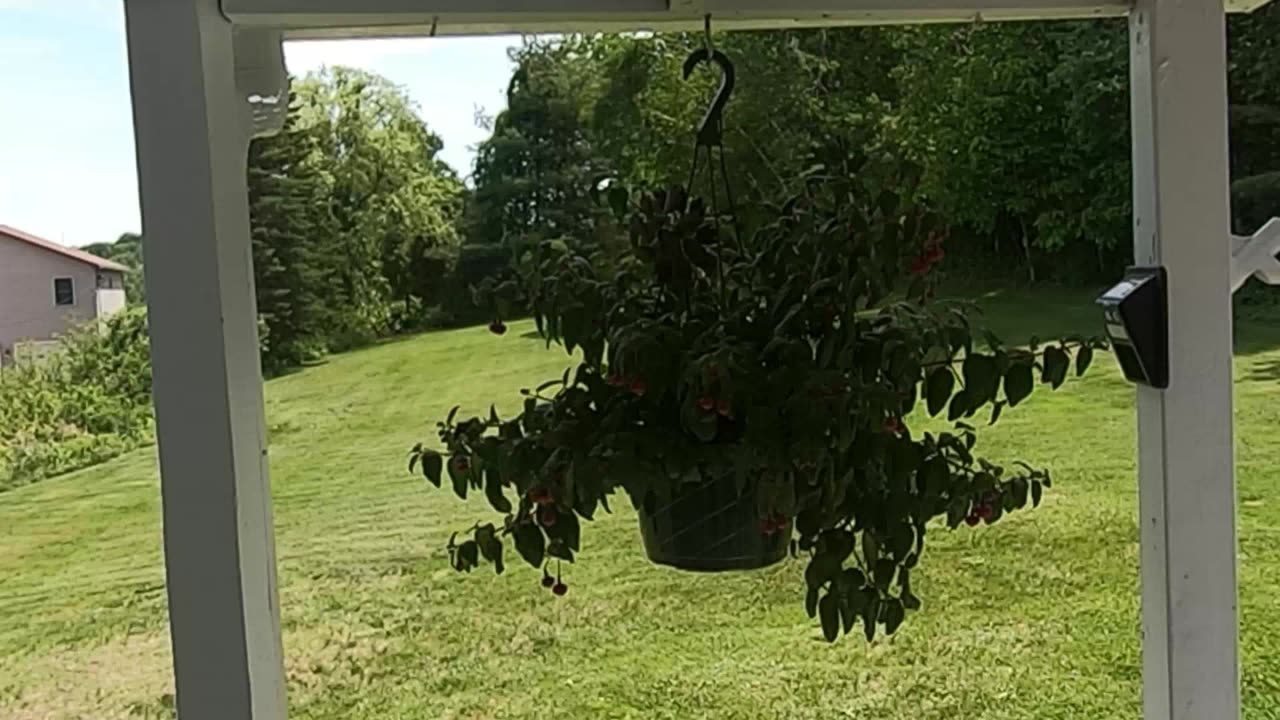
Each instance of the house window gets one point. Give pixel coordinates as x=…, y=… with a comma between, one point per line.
x=64, y=292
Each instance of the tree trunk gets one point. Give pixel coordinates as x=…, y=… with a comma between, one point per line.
x=1026, y=249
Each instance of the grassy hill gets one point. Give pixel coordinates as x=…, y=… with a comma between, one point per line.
x=1035, y=618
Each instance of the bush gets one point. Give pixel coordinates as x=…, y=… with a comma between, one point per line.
x=86, y=403
x=1254, y=201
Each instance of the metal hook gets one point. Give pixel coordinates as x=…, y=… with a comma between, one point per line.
x=711, y=132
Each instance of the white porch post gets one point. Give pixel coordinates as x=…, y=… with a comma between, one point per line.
x=192, y=139
x=1186, y=453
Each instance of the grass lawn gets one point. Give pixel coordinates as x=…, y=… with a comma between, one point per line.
x=1034, y=618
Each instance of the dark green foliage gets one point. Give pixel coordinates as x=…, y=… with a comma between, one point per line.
x=535, y=176
x=354, y=219
x=1021, y=129
x=782, y=361
x=87, y=402
x=297, y=254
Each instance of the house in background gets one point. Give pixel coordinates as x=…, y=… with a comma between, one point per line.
x=47, y=289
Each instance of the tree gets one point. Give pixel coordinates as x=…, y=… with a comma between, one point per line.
x=394, y=203
x=534, y=177
x=298, y=255
x=1023, y=131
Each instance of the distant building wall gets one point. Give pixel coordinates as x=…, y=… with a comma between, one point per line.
x=28, y=310
x=111, y=298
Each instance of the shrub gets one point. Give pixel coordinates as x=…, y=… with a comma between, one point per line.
x=84, y=404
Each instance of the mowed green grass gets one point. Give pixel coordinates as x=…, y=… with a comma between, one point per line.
x=1037, y=617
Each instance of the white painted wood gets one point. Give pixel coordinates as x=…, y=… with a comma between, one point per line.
x=192, y=140
x=262, y=81
x=342, y=18
x=371, y=18
x=1186, y=451
x=1256, y=256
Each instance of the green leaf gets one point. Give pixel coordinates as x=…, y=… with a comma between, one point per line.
x=938, y=389
x=822, y=568
x=618, y=199
x=829, y=612
x=850, y=608
x=996, y=410
x=530, y=543
x=567, y=530
x=432, y=466
x=1056, y=362
x=1084, y=358
x=493, y=491
x=490, y=546
x=884, y=571
x=853, y=580
x=980, y=379
x=460, y=478
x=558, y=549
x=1019, y=381
x=870, y=547
x=468, y=555
x=959, y=406
x=1019, y=492
x=811, y=602
x=894, y=614
x=909, y=600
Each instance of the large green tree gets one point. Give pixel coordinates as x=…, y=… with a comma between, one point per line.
x=298, y=255
x=1023, y=130
x=534, y=177
x=394, y=203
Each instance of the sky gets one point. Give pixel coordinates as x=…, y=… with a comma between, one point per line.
x=67, y=166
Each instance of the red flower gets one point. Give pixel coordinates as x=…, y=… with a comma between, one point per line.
x=549, y=518
x=893, y=426
x=706, y=403
x=725, y=408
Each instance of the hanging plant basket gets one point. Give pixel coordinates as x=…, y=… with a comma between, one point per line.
x=711, y=527
x=750, y=389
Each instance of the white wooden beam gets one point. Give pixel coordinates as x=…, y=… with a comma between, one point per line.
x=192, y=139
x=303, y=19
x=349, y=18
x=1186, y=451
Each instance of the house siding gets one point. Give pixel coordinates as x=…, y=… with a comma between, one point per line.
x=27, y=308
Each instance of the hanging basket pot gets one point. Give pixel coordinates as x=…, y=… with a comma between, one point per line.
x=711, y=528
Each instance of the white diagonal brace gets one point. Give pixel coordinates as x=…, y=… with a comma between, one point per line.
x=1255, y=256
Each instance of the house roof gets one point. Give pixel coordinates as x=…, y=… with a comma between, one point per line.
x=51, y=246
